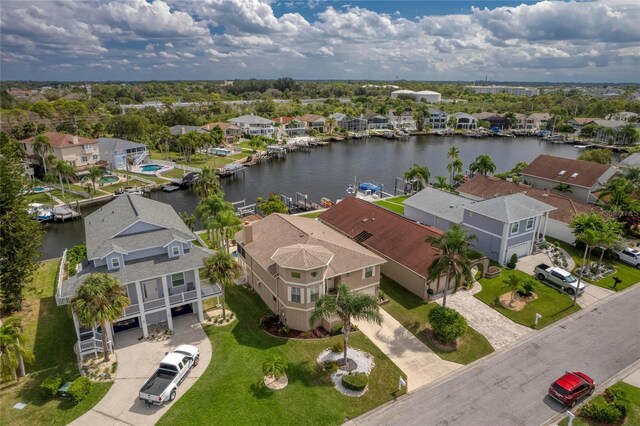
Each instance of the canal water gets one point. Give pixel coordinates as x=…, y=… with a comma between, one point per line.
x=325, y=171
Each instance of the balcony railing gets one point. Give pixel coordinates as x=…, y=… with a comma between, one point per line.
x=154, y=304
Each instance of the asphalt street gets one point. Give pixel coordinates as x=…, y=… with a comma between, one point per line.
x=510, y=388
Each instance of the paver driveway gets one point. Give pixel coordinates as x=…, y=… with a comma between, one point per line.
x=136, y=362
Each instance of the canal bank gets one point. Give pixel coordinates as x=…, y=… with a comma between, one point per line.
x=326, y=171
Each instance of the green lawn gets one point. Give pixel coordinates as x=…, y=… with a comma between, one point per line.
x=230, y=392
x=313, y=215
x=551, y=303
x=412, y=313
x=395, y=204
x=152, y=178
x=174, y=173
x=68, y=196
x=633, y=418
x=628, y=274
x=50, y=334
x=42, y=198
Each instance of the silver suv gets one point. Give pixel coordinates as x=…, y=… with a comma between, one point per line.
x=630, y=256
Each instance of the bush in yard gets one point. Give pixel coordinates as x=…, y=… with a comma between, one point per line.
x=337, y=347
x=355, y=381
x=511, y=264
x=619, y=399
x=331, y=366
x=601, y=411
x=50, y=386
x=336, y=329
x=79, y=389
x=447, y=324
x=527, y=287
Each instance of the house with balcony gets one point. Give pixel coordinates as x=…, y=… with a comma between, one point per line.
x=402, y=119
x=180, y=130
x=316, y=122
x=376, y=121
x=82, y=153
x=147, y=247
x=291, y=261
x=351, y=124
x=496, y=121
x=254, y=125
x=231, y=132
x=465, y=121
x=118, y=152
x=291, y=126
x=537, y=121
x=436, y=119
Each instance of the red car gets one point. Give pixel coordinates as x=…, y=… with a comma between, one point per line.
x=571, y=387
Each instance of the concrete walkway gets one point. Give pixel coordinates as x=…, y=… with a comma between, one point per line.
x=414, y=358
x=137, y=360
x=592, y=294
x=499, y=330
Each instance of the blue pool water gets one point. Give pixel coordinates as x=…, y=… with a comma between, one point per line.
x=39, y=189
x=150, y=168
x=108, y=179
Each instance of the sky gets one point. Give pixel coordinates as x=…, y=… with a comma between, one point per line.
x=555, y=41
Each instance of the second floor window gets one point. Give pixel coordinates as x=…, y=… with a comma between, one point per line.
x=515, y=227
x=115, y=262
x=368, y=272
x=84, y=158
x=177, y=279
x=175, y=251
x=530, y=223
x=295, y=275
x=296, y=294
x=314, y=293
x=94, y=156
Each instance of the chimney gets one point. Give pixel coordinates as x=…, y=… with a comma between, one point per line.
x=182, y=130
x=74, y=140
x=247, y=232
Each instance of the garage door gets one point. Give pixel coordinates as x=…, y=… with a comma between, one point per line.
x=521, y=250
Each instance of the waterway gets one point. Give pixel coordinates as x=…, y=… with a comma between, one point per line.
x=325, y=171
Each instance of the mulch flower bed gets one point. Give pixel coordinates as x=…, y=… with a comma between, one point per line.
x=443, y=346
x=273, y=326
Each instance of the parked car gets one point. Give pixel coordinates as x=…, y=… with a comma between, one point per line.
x=630, y=256
x=558, y=278
x=571, y=387
x=174, y=367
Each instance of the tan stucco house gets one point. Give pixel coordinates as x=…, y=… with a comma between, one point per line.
x=82, y=153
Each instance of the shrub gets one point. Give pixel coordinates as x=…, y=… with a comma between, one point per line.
x=330, y=366
x=447, y=324
x=601, y=411
x=355, y=381
x=274, y=367
x=50, y=386
x=527, y=286
x=338, y=347
x=619, y=399
x=381, y=296
x=336, y=329
x=511, y=264
x=79, y=389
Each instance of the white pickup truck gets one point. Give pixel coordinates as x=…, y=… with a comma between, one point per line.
x=558, y=278
x=174, y=367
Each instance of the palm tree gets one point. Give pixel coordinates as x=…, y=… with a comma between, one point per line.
x=208, y=183
x=188, y=219
x=100, y=299
x=633, y=175
x=562, y=187
x=221, y=268
x=331, y=124
x=483, y=164
x=418, y=176
x=64, y=169
x=208, y=209
x=274, y=367
x=229, y=223
x=95, y=173
x=617, y=192
x=13, y=353
x=513, y=281
x=454, y=168
x=42, y=146
x=189, y=141
x=347, y=306
x=441, y=183
x=453, y=259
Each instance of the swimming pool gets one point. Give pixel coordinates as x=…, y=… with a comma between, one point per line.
x=151, y=168
x=39, y=189
x=108, y=179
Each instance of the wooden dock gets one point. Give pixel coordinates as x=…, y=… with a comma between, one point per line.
x=62, y=213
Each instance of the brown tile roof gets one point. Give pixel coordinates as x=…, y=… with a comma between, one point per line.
x=283, y=120
x=582, y=121
x=385, y=232
x=312, y=117
x=486, y=187
x=223, y=126
x=576, y=172
x=63, y=140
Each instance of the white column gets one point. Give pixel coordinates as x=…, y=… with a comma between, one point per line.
x=506, y=230
x=196, y=278
x=165, y=291
x=77, y=325
x=546, y=222
x=143, y=318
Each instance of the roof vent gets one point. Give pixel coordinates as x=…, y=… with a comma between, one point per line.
x=574, y=175
x=562, y=172
x=74, y=140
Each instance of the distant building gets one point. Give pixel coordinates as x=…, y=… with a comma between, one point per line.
x=82, y=153
x=496, y=121
x=537, y=121
x=291, y=126
x=509, y=90
x=426, y=95
x=183, y=130
x=465, y=121
x=436, y=119
x=315, y=121
x=376, y=121
x=254, y=125
x=231, y=132
x=352, y=124
x=402, y=119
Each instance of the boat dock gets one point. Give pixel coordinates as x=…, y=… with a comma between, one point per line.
x=232, y=169
x=299, y=203
x=62, y=213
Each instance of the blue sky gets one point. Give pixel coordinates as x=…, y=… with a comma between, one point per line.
x=588, y=41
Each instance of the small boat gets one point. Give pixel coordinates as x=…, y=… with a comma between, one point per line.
x=128, y=190
x=40, y=212
x=325, y=202
x=369, y=186
x=350, y=189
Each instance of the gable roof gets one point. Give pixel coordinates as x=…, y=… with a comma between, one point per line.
x=221, y=124
x=114, y=144
x=439, y=203
x=250, y=119
x=585, y=173
x=181, y=130
x=631, y=161
x=111, y=219
x=385, y=232
x=312, y=118
x=63, y=140
x=510, y=208
x=486, y=187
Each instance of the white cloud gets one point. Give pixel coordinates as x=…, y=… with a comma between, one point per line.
x=168, y=45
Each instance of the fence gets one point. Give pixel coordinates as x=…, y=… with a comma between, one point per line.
x=59, y=299
x=177, y=166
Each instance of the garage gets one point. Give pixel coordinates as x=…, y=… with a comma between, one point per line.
x=521, y=250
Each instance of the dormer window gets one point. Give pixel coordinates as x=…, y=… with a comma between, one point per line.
x=115, y=263
x=175, y=251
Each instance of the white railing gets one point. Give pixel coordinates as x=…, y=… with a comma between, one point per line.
x=59, y=299
x=132, y=309
x=154, y=304
x=177, y=166
x=141, y=158
x=90, y=345
x=180, y=298
x=211, y=291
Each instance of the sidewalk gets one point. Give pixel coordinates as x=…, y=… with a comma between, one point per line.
x=414, y=358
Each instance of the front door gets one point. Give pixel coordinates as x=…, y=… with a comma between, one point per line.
x=150, y=289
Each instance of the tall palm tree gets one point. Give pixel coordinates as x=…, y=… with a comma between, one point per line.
x=41, y=147
x=483, y=165
x=453, y=259
x=229, y=223
x=331, y=124
x=100, y=299
x=454, y=168
x=418, y=176
x=441, y=183
x=617, y=192
x=208, y=183
x=221, y=268
x=188, y=219
x=13, y=353
x=189, y=142
x=208, y=209
x=95, y=173
x=64, y=169
x=348, y=306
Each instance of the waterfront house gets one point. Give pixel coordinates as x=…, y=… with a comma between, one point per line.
x=503, y=226
x=579, y=122
x=400, y=241
x=291, y=126
x=436, y=119
x=117, y=152
x=315, y=121
x=232, y=133
x=147, y=247
x=496, y=121
x=82, y=153
x=631, y=161
x=582, y=178
x=537, y=121
x=180, y=130
x=402, y=119
x=291, y=261
x=254, y=125
x=465, y=121
x=607, y=131
x=485, y=187
x=352, y=124
x=376, y=121
x=520, y=121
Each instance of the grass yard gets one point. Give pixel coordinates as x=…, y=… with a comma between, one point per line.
x=394, y=204
x=231, y=391
x=551, y=303
x=313, y=215
x=42, y=198
x=633, y=418
x=627, y=273
x=152, y=178
x=68, y=196
x=412, y=313
x=50, y=334
x=174, y=173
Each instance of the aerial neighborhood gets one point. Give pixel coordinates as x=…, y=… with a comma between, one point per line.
x=182, y=243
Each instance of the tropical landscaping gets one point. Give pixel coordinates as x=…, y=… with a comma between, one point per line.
x=619, y=404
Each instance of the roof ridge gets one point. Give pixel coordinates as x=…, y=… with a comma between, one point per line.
x=133, y=207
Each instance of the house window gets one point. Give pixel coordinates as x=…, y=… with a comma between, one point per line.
x=84, y=159
x=175, y=251
x=296, y=294
x=88, y=147
x=368, y=272
x=530, y=222
x=314, y=274
x=94, y=156
x=295, y=275
x=314, y=293
x=515, y=227
x=177, y=279
x=115, y=262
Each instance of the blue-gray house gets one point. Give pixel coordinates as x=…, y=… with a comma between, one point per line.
x=117, y=152
x=502, y=225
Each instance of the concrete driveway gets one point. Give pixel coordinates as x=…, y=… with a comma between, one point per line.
x=137, y=360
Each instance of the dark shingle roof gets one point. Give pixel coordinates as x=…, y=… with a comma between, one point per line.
x=114, y=144
x=585, y=173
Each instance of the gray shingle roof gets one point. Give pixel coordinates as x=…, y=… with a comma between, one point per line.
x=112, y=218
x=302, y=256
x=250, y=119
x=181, y=130
x=439, y=203
x=133, y=242
x=113, y=144
x=510, y=208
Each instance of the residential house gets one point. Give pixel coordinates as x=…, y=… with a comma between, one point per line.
x=503, y=226
x=537, y=121
x=315, y=121
x=631, y=161
x=520, y=121
x=402, y=119
x=436, y=119
x=376, y=121
x=118, y=152
x=254, y=125
x=579, y=122
x=147, y=247
x=82, y=153
x=291, y=126
x=465, y=121
x=485, y=187
x=231, y=132
x=352, y=124
x=291, y=261
x=398, y=240
x=582, y=178
x=608, y=131
x=180, y=130
x=496, y=121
